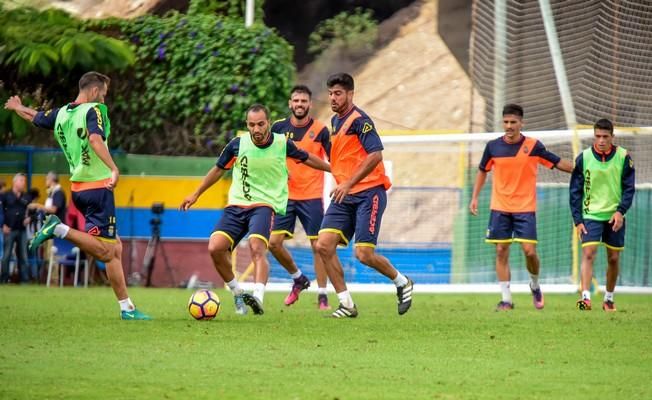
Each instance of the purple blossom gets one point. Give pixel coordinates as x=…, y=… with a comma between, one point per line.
x=215, y=53
x=135, y=39
x=234, y=88
x=207, y=108
x=160, y=51
x=255, y=50
x=199, y=46
x=193, y=34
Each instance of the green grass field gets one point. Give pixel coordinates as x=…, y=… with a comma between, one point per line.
x=69, y=344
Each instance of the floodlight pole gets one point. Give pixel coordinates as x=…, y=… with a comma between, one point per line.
x=500, y=61
x=558, y=64
x=249, y=13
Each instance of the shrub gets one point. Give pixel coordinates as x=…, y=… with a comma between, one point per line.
x=355, y=32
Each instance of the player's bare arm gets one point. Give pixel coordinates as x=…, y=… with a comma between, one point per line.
x=317, y=163
x=14, y=103
x=97, y=144
x=565, y=165
x=363, y=170
x=213, y=175
x=480, y=179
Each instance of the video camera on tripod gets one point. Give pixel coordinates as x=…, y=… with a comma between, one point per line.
x=153, y=245
x=155, y=221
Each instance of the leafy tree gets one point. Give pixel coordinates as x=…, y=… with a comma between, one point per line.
x=194, y=77
x=53, y=48
x=348, y=32
x=188, y=79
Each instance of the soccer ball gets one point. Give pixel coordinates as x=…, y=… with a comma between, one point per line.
x=204, y=305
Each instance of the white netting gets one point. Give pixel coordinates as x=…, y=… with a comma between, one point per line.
x=607, y=52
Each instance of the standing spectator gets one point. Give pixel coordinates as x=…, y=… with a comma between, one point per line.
x=2, y=220
x=34, y=221
x=56, y=201
x=14, y=207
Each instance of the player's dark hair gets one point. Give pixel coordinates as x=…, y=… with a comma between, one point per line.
x=513, y=109
x=301, y=89
x=604, y=124
x=93, y=78
x=341, y=78
x=257, y=107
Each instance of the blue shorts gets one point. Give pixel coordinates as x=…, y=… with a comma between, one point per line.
x=309, y=212
x=360, y=214
x=98, y=207
x=600, y=232
x=236, y=222
x=507, y=227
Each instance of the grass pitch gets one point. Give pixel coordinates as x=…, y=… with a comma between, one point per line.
x=69, y=344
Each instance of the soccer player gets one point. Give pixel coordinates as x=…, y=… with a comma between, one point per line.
x=306, y=188
x=82, y=129
x=259, y=191
x=601, y=192
x=358, y=200
x=514, y=159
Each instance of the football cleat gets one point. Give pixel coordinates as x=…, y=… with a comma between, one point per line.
x=322, y=299
x=404, y=296
x=344, y=312
x=45, y=233
x=240, y=307
x=609, y=306
x=301, y=283
x=254, y=303
x=537, y=298
x=134, y=315
x=504, y=306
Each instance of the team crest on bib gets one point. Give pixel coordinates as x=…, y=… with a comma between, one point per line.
x=525, y=149
x=367, y=127
x=311, y=134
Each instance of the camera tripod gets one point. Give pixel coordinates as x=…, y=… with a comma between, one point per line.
x=150, y=254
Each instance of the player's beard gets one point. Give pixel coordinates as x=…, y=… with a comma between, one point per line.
x=259, y=138
x=300, y=116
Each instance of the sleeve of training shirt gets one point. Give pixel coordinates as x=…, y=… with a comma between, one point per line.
x=324, y=137
x=94, y=122
x=628, y=185
x=292, y=151
x=576, y=190
x=546, y=158
x=46, y=119
x=367, y=134
x=486, y=162
x=229, y=154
